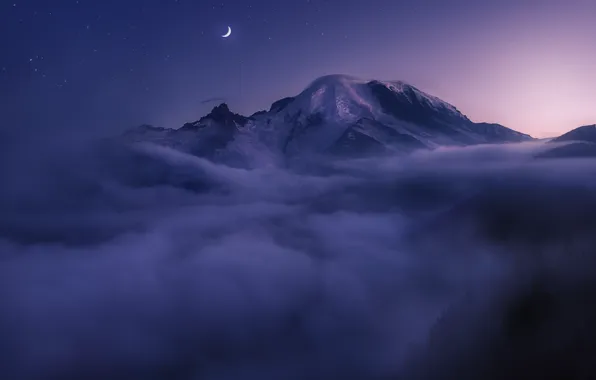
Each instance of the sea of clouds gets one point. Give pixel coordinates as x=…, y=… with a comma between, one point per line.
x=148, y=263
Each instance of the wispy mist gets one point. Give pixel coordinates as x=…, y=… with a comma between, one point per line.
x=151, y=264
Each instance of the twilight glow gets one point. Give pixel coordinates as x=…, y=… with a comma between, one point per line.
x=526, y=65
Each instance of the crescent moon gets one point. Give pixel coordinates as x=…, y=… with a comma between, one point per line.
x=228, y=33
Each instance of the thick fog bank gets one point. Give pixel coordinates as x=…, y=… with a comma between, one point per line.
x=148, y=263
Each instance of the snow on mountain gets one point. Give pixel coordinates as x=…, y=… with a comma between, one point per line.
x=316, y=119
x=335, y=114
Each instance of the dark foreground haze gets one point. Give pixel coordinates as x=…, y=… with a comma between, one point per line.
x=471, y=263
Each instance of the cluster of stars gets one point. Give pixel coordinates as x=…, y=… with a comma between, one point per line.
x=88, y=45
x=17, y=63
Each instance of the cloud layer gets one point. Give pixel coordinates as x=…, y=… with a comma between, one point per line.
x=147, y=263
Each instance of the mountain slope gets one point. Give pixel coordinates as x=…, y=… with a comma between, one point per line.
x=316, y=119
x=577, y=143
x=340, y=115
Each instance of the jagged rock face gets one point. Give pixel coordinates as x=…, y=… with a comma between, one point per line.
x=221, y=116
x=281, y=104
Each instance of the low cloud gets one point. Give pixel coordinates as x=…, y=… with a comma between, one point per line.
x=212, y=100
x=152, y=264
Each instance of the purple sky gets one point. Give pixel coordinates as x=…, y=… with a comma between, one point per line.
x=530, y=65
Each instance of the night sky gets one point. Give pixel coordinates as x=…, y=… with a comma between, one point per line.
x=102, y=66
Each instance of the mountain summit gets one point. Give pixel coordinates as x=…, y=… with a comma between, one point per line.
x=339, y=114
x=220, y=115
x=376, y=114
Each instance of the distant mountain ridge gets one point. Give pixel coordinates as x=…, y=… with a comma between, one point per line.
x=586, y=133
x=335, y=115
x=577, y=143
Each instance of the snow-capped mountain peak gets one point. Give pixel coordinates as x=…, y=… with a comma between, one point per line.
x=335, y=97
x=337, y=113
x=414, y=94
x=344, y=98
x=219, y=115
